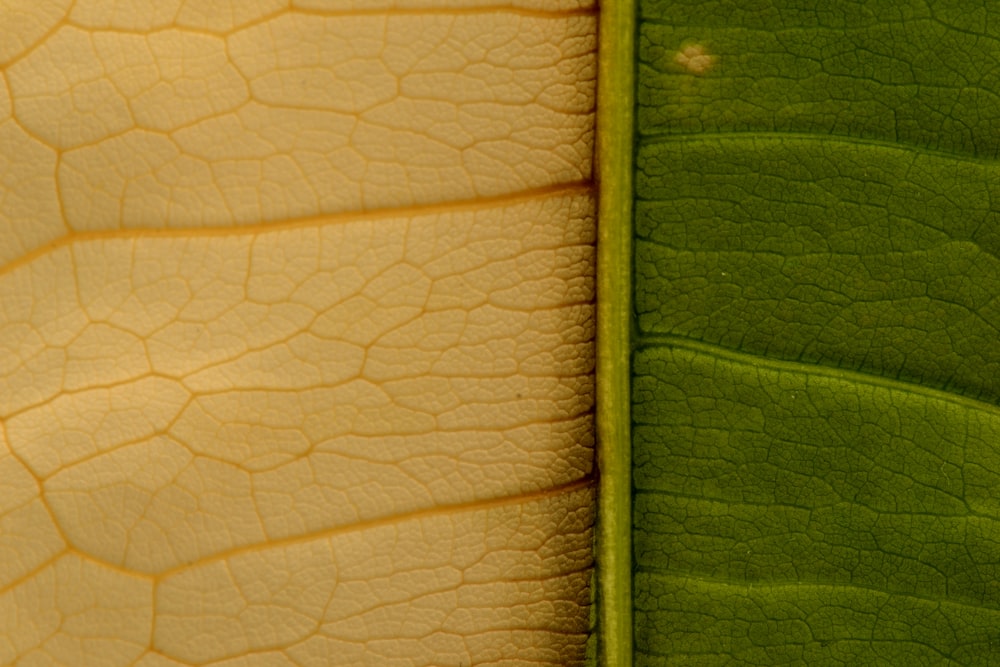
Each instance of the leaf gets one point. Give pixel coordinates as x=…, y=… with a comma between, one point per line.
x=814, y=391
x=297, y=321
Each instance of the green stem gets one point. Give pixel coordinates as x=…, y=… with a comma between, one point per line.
x=614, y=251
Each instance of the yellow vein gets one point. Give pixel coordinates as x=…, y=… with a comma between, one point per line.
x=586, y=483
x=452, y=11
x=580, y=188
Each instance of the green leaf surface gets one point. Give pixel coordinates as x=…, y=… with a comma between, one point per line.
x=918, y=73
x=816, y=333
x=871, y=257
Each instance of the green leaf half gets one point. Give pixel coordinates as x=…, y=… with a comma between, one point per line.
x=815, y=370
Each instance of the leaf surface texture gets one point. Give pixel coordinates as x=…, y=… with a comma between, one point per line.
x=296, y=332
x=814, y=420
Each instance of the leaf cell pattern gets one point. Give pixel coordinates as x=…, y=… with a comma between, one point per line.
x=815, y=298
x=296, y=332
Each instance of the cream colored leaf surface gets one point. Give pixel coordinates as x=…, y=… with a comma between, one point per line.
x=305, y=114
x=376, y=5
x=218, y=16
x=73, y=611
x=296, y=332
x=24, y=24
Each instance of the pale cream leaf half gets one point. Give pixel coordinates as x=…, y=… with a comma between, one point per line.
x=296, y=332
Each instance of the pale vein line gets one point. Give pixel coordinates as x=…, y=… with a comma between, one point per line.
x=837, y=31
x=658, y=138
x=653, y=340
x=658, y=573
x=808, y=509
